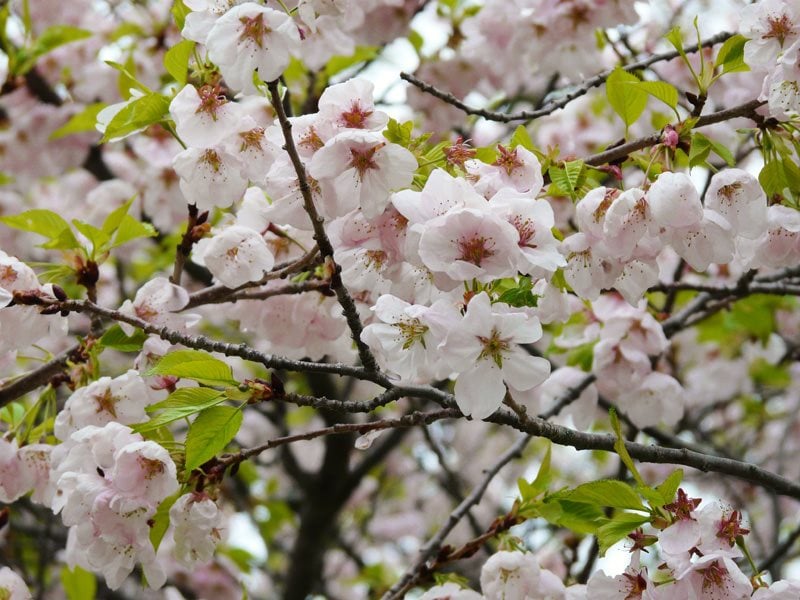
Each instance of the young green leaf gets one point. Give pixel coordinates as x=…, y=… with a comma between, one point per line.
x=80, y=122
x=661, y=90
x=628, y=101
x=197, y=365
x=731, y=55
x=210, y=433
x=160, y=520
x=78, y=584
x=115, y=338
x=180, y=404
x=176, y=60
x=44, y=222
x=607, y=492
x=620, y=525
x=137, y=115
x=619, y=448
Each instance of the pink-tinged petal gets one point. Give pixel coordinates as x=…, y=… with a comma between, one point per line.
x=480, y=390
x=674, y=201
x=522, y=371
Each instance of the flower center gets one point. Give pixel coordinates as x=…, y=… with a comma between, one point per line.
x=151, y=467
x=493, y=347
x=507, y=159
x=211, y=99
x=412, y=331
x=475, y=250
x=106, y=403
x=364, y=160
x=254, y=29
x=356, y=117
x=779, y=28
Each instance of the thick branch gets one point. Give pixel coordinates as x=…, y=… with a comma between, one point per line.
x=38, y=377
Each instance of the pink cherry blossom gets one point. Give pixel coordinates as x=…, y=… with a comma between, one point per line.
x=197, y=521
x=236, y=255
x=204, y=117
x=738, y=197
x=468, y=243
x=12, y=586
x=249, y=38
x=210, y=176
x=483, y=350
x=364, y=168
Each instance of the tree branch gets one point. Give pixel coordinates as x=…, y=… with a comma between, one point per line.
x=324, y=244
x=582, y=89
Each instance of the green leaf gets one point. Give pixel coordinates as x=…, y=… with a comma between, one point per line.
x=619, y=448
x=197, y=398
x=210, y=433
x=50, y=39
x=773, y=178
x=137, y=115
x=197, y=365
x=176, y=60
x=127, y=78
x=608, y=492
x=78, y=584
x=669, y=487
x=529, y=491
x=338, y=64
x=661, y=90
x=12, y=413
x=160, y=520
x=180, y=404
x=765, y=374
x=131, y=229
x=114, y=219
x=399, y=133
x=580, y=517
x=416, y=40
x=628, y=101
x=522, y=138
x=97, y=237
x=44, y=222
x=80, y=122
x=675, y=37
x=569, y=177
x=115, y=338
x=179, y=12
x=620, y=525
x=520, y=295
x=731, y=55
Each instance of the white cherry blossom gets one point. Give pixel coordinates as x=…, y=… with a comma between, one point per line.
x=482, y=348
x=364, y=169
x=250, y=38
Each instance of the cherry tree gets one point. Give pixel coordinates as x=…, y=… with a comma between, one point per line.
x=426, y=299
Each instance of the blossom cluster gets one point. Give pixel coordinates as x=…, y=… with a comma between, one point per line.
x=467, y=267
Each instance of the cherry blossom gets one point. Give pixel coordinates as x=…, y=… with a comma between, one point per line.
x=250, y=38
x=210, y=176
x=204, y=117
x=197, y=522
x=236, y=255
x=482, y=349
x=364, y=169
x=12, y=585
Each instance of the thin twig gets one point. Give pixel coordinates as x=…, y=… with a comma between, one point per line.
x=323, y=243
x=582, y=89
x=409, y=420
x=432, y=546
